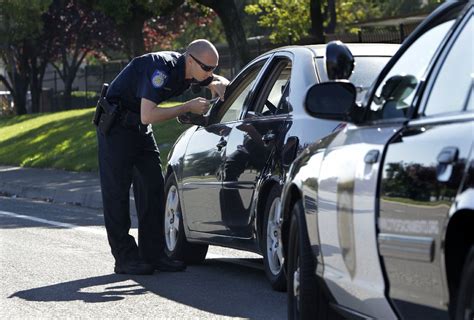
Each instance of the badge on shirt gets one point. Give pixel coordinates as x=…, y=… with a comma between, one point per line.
x=158, y=79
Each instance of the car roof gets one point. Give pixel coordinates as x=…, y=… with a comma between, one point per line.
x=357, y=49
x=363, y=49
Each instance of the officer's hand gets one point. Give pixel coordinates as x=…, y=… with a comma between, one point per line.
x=218, y=86
x=197, y=105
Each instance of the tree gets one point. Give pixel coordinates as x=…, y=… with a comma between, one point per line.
x=291, y=20
x=404, y=7
x=130, y=17
x=41, y=52
x=21, y=47
x=316, y=16
x=351, y=12
x=162, y=32
x=288, y=20
x=77, y=31
x=234, y=31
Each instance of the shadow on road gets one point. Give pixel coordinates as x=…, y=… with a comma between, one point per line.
x=217, y=286
x=72, y=290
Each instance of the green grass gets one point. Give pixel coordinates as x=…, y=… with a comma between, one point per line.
x=82, y=94
x=64, y=140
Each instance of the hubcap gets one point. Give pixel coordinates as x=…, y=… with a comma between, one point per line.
x=172, y=218
x=273, y=243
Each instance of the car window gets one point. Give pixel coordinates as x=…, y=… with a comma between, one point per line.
x=394, y=95
x=273, y=100
x=234, y=104
x=278, y=90
x=453, y=84
x=366, y=69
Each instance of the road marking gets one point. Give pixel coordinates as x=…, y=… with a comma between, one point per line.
x=55, y=223
x=102, y=232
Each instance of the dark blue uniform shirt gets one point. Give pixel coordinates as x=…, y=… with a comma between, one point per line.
x=154, y=76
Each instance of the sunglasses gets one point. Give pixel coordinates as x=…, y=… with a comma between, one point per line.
x=203, y=66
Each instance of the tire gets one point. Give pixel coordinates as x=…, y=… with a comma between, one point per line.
x=465, y=297
x=306, y=299
x=176, y=245
x=271, y=241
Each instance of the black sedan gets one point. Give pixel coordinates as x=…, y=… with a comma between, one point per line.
x=380, y=215
x=224, y=175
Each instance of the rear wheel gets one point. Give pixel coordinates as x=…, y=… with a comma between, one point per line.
x=176, y=245
x=465, y=298
x=306, y=299
x=272, y=248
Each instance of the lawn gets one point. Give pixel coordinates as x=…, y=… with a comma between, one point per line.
x=64, y=140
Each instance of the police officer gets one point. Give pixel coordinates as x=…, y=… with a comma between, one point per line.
x=128, y=151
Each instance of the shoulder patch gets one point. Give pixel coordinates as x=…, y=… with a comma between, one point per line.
x=158, y=78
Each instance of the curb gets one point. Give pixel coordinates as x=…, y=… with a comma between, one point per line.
x=55, y=186
x=85, y=199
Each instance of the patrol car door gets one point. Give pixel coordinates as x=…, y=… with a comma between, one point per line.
x=251, y=144
x=203, y=162
x=348, y=182
x=422, y=175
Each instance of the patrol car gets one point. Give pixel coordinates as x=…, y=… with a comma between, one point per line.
x=380, y=215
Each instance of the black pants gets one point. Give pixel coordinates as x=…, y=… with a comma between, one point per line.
x=126, y=156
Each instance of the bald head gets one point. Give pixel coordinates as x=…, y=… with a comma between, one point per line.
x=202, y=47
x=204, y=50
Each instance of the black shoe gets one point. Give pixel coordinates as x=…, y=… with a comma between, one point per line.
x=168, y=265
x=134, y=267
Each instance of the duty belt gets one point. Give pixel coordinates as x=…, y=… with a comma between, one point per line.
x=132, y=120
x=109, y=113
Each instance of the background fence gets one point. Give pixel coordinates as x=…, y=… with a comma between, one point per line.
x=86, y=86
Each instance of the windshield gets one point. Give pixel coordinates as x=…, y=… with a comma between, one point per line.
x=366, y=69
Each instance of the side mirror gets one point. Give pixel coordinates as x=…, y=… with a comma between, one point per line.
x=331, y=100
x=192, y=118
x=339, y=61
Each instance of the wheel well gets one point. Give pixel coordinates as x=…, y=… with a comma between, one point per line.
x=169, y=171
x=293, y=196
x=459, y=239
x=262, y=201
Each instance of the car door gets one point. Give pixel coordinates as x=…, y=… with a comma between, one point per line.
x=251, y=144
x=204, y=157
x=348, y=180
x=422, y=174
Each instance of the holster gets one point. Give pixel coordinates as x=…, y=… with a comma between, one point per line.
x=98, y=108
x=105, y=113
x=108, y=115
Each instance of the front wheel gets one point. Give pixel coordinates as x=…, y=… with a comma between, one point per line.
x=465, y=298
x=176, y=245
x=306, y=299
x=272, y=244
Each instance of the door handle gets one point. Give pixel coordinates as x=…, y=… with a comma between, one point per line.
x=371, y=157
x=448, y=155
x=221, y=144
x=268, y=137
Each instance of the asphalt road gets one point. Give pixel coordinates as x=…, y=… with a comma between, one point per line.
x=55, y=263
